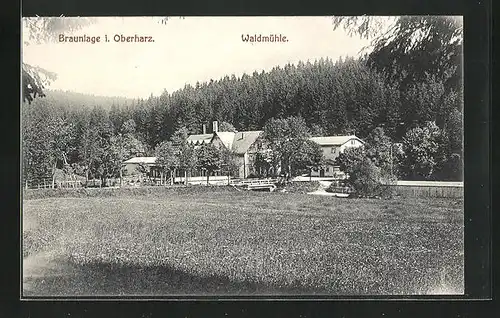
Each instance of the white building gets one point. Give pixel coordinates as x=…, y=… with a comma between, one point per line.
x=332, y=147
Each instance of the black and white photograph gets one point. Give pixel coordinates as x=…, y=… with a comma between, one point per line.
x=242, y=156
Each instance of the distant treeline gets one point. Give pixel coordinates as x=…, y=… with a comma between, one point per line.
x=73, y=100
x=342, y=97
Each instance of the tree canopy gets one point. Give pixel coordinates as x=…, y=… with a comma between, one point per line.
x=410, y=76
x=410, y=48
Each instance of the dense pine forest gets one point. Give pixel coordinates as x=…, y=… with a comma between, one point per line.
x=346, y=96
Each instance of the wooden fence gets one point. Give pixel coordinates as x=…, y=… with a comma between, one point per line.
x=41, y=183
x=430, y=189
x=243, y=182
x=46, y=183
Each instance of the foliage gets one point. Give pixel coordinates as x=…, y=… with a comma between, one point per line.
x=423, y=151
x=364, y=26
x=97, y=150
x=34, y=80
x=422, y=56
x=454, y=129
x=317, y=131
x=413, y=46
x=225, y=126
x=342, y=97
x=47, y=141
x=373, y=166
x=209, y=158
x=228, y=161
x=37, y=30
x=262, y=164
x=128, y=146
x=310, y=157
x=365, y=177
x=350, y=158
x=381, y=151
x=129, y=127
x=186, y=154
x=287, y=140
x=453, y=168
x=167, y=156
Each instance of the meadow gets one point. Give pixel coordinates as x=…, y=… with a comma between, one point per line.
x=220, y=241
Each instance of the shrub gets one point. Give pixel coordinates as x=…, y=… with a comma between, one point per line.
x=302, y=186
x=365, y=178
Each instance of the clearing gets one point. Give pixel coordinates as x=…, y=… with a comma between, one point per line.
x=242, y=243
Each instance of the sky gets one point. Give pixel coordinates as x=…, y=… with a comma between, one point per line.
x=184, y=51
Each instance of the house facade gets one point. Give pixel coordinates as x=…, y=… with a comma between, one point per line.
x=332, y=147
x=246, y=145
x=141, y=165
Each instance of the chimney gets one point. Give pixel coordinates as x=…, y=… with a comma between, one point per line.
x=215, y=127
x=204, y=129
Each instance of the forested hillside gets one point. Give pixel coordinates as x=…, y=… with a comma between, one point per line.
x=73, y=100
x=333, y=97
x=341, y=97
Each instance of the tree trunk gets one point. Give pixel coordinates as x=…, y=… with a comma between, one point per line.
x=171, y=178
x=310, y=175
x=121, y=176
x=53, y=175
x=208, y=176
x=185, y=177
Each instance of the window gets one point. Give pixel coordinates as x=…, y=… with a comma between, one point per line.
x=327, y=169
x=352, y=142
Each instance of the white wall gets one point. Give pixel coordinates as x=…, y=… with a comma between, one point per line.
x=353, y=143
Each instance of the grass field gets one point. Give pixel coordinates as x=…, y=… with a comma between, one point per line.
x=161, y=242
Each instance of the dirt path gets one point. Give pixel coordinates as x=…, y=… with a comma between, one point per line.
x=47, y=275
x=323, y=185
x=41, y=265
x=35, y=266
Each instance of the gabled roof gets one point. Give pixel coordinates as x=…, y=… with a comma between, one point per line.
x=226, y=137
x=244, y=139
x=198, y=139
x=143, y=160
x=333, y=140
